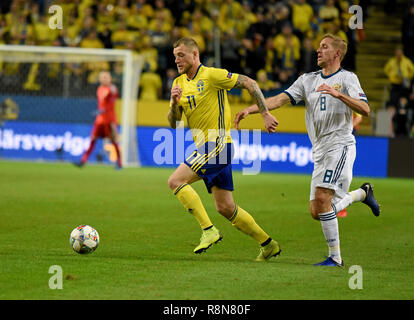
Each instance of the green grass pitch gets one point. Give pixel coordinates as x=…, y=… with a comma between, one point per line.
x=147, y=239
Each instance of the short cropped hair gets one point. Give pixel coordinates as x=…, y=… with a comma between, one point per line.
x=188, y=42
x=337, y=43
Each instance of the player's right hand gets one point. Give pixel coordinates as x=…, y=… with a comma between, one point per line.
x=270, y=122
x=176, y=93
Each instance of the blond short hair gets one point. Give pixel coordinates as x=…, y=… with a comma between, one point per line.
x=188, y=42
x=338, y=43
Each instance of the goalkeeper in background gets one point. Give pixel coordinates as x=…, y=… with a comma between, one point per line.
x=105, y=125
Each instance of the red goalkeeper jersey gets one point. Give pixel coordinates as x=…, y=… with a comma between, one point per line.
x=106, y=96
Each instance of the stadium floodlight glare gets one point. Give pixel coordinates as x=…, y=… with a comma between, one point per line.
x=132, y=65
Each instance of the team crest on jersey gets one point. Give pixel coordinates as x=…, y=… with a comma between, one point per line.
x=337, y=87
x=200, y=86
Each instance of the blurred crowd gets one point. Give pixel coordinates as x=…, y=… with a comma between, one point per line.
x=400, y=72
x=272, y=41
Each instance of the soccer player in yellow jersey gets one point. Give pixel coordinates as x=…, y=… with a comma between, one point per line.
x=201, y=94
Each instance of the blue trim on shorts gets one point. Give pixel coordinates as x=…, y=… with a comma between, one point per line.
x=212, y=163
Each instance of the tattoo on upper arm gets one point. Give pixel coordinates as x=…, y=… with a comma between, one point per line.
x=245, y=82
x=241, y=82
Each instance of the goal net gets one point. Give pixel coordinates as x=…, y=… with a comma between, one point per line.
x=48, y=102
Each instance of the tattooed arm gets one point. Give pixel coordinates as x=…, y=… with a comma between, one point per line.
x=245, y=82
x=174, y=115
x=176, y=112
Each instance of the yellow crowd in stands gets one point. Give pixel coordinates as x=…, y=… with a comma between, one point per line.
x=135, y=25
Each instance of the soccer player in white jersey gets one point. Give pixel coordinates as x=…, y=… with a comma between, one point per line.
x=330, y=96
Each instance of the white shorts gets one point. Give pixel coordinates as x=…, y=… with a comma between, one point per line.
x=334, y=171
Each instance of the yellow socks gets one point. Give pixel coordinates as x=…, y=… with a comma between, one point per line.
x=243, y=221
x=192, y=203
x=240, y=219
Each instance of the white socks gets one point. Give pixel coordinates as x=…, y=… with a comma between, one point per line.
x=330, y=230
x=329, y=222
x=358, y=195
x=350, y=197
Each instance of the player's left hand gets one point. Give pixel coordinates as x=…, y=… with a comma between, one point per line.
x=270, y=122
x=324, y=88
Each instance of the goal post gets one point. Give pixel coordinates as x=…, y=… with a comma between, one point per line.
x=47, y=72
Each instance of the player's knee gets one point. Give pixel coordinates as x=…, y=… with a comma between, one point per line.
x=314, y=213
x=225, y=208
x=321, y=204
x=173, y=183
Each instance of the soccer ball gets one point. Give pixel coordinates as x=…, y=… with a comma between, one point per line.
x=84, y=239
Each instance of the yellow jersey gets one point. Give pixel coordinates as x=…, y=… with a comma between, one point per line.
x=205, y=104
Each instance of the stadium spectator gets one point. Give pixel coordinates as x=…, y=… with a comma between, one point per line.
x=161, y=22
x=121, y=10
x=120, y=36
x=193, y=30
x=230, y=10
x=328, y=12
x=21, y=30
x=12, y=17
x=302, y=15
x=334, y=28
x=146, y=9
x=4, y=31
x=87, y=26
x=282, y=16
x=43, y=34
x=71, y=34
x=399, y=70
x=265, y=84
x=166, y=12
x=308, y=57
x=259, y=26
x=150, y=54
x=287, y=46
x=248, y=16
x=403, y=118
x=283, y=80
x=137, y=19
x=230, y=55
x=105, y=35
x=272, y=22
x=151, y=86
x=203, y=20
x=91, y=41
x=104, y=16
x=254, y=55
x=408, y=33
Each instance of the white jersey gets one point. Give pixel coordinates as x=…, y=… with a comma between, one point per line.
x=328, y=119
